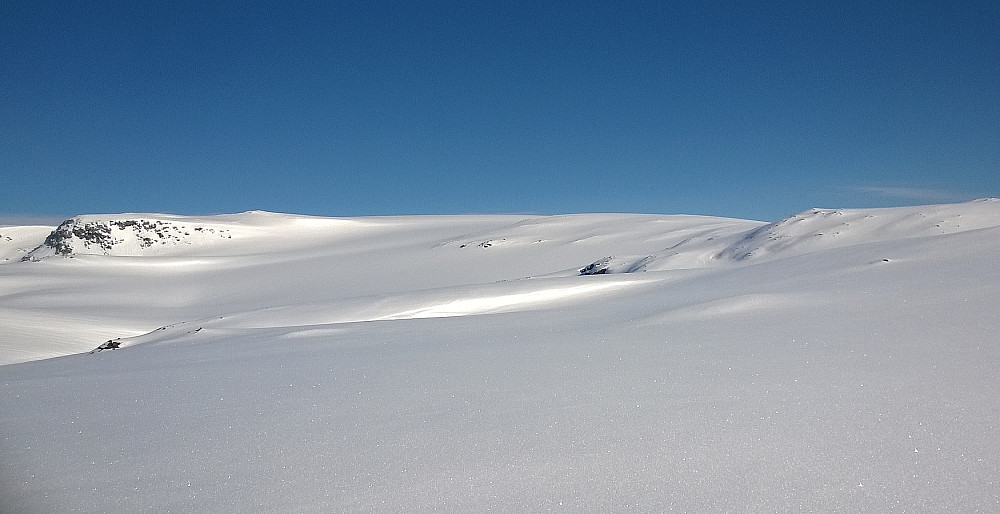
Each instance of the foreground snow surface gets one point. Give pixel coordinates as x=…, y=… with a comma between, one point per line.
x=835, y=360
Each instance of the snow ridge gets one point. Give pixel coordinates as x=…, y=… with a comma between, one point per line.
x=821, y=229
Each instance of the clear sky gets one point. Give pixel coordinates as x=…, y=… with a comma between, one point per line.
x=419, y=107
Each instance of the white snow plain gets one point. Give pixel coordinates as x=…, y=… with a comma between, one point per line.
x=837, y=360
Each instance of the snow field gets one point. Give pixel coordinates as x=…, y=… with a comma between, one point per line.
x=396, y=369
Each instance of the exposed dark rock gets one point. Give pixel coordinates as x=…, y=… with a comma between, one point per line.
x=110, y=344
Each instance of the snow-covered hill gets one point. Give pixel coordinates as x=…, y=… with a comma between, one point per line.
x=836, y=360
x=820, y=229
x=810, y=231
x=135, y=235
x=16, y=242
x=89, y=235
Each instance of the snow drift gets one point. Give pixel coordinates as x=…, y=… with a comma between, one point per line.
x=835, y=360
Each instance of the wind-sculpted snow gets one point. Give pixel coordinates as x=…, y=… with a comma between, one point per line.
x=819, y=229
x=834, y=361
x=809, y=231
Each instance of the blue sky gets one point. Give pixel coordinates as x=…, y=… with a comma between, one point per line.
x=368, y=108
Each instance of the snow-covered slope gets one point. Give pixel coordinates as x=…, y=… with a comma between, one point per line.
x=836, y=360
x=821, y=229
x=17, y=242
x=118, y=286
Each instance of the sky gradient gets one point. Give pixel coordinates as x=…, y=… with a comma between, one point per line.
x=344, y=109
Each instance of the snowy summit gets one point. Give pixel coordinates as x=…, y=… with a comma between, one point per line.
x=836, y=360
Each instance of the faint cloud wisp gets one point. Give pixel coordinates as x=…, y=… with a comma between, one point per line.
x=916, y=194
